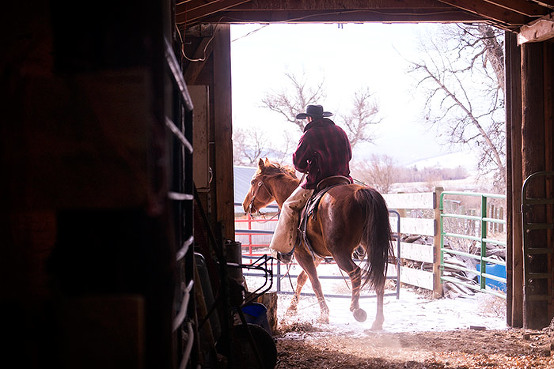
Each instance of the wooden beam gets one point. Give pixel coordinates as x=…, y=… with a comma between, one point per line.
x=514, y=252
x=196, y=64
x=546, y=3
x=223, y=131
x=522, y=7
x=489, y=11
x=533, y=160
x=539, y=30
x=412, y=16
x=201, y=11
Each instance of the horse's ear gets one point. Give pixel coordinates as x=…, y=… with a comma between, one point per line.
x=261, y=163
x=267, y=162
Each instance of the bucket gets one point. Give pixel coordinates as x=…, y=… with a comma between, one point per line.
x=256, y=313
x=496, y=270
x=233, y=252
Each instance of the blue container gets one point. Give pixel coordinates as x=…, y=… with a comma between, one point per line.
x=496, y=270
x=256, y=313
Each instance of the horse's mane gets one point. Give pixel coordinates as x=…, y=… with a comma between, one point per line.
x=276, y=168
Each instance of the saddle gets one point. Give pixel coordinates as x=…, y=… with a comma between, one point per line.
x=310, y=209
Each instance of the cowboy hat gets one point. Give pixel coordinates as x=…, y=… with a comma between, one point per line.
x=314, y=111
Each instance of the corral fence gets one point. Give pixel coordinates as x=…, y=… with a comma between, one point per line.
x=254, y=234
x=433, y=230
x=484, y=232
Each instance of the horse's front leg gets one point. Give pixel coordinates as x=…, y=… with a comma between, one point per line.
x=300, y=282
x=309, y=267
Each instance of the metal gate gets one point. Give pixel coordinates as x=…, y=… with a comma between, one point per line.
x=181, y=196
x=280, y=273
x=482, y=240
x=537, y=216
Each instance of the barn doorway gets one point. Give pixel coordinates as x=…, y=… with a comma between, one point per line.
x=338, y=63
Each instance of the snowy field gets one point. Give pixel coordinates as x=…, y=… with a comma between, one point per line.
x=412, y=312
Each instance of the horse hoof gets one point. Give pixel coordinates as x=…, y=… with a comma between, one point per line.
x=377, y=327
x=360, y=315
x=323, y=320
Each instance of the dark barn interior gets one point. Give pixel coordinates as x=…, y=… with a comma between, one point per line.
x=117, y=169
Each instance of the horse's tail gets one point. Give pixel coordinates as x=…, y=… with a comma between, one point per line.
x=376, y=236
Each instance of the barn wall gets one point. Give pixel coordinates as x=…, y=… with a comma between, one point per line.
x=210, y=49
x=86, y=264
x=530, y=124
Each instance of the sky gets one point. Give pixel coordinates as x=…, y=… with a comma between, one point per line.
x=347, y=57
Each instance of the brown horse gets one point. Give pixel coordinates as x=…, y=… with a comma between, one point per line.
x=348, y=216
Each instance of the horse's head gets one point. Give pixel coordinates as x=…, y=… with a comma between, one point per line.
x=261, y=188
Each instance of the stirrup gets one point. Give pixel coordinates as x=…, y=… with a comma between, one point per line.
x=284, y=258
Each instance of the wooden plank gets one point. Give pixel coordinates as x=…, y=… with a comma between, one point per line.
x=514, y=262
x=198, y=60
x=424, y=200
x=535, y=312
x=223, y=131
x=522, y=7
x=546, y=3
x=490, y=11
x=413, y=277
x=549, y=154
x=437, y=283
x=310, y=16
x=539, y=30
x=421, y=226
x=416, y=252
x=202, y=10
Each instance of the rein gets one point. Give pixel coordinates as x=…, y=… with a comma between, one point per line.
x=260, y=184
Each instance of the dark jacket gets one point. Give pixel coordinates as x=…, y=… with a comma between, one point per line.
x=323, y=151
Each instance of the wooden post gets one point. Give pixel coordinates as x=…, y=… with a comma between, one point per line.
x=223, y=145
x=437, y=283
x=549, y=150
x=514, y=252
x=533, y=155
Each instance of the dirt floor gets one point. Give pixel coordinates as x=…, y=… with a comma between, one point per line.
x=467, y=348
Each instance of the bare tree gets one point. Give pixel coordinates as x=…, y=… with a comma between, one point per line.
x=363, y=114
x=379, y=172
x=291, y=101
x=288, y=103
x=463, y=76
x=250, y=144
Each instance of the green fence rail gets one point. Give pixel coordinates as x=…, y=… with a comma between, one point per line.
x=481, y=239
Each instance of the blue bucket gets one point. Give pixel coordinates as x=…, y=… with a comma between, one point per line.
x=256, y=313
x=496, y=270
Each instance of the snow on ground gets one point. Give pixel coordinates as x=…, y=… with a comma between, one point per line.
x=412, y=312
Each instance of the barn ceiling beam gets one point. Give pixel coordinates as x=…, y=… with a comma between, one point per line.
x=349, y=16
x=200, y=9
x=320, y=11
x=546, y=3
x=490, y=11
x=539, y=30
x=526, y=8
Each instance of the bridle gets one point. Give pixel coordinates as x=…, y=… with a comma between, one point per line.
x=260, y=185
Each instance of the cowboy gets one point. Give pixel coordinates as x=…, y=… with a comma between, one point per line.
x=323, y=151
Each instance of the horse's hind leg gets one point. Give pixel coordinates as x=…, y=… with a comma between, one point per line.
x=379, y=318
x=355, y=275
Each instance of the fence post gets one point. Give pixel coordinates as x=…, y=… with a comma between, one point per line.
x=437, y=283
